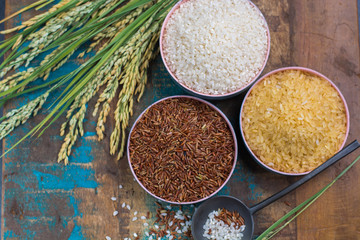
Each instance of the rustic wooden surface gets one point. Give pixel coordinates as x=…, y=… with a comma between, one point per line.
x=42, y=199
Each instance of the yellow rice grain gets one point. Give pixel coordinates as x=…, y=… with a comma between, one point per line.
x=294, y=120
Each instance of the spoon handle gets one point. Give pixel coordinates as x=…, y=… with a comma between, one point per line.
x=345, y=151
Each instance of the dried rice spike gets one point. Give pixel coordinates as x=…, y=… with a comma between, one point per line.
x=20, y=115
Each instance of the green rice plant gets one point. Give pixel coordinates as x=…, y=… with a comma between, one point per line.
x=295, y=212
x=123, y=35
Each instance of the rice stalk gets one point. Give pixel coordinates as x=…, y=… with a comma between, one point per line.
x=75, y=119
x=295, y=212
x=12, y=80
x=78, y=38
x=112, y=30
x=52, y=30
x=110, y=71
x=18, y=40
x=20, y=115
x=42, y=4
x=124, y=37
x=135, y=76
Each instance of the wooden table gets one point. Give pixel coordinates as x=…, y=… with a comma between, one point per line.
x=42, y=199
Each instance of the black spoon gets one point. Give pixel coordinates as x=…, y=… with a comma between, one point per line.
x=233, y=204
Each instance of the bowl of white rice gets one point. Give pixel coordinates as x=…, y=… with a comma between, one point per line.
x=215, y=49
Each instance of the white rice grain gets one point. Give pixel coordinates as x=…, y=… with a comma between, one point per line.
x=220, y=230
x=215, y=46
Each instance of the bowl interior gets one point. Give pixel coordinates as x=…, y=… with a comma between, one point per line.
x=233, y=137
x=306, y=70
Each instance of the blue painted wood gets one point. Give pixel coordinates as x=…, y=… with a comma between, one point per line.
x=39, y=199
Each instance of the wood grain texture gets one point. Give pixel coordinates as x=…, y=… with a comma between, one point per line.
x=325, y=38
x=45, y=200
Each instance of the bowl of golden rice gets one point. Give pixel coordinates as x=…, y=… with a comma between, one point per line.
x=293, y=119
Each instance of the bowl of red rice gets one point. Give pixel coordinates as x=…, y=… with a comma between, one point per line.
x=182, y=150
x=293, y=119
x=215, y=49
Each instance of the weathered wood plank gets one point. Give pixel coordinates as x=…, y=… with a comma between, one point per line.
x=326, y=38
x=43, y=199
x=40, y=196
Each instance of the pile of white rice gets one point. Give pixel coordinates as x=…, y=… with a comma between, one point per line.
x=217, y=229
x=215, y=46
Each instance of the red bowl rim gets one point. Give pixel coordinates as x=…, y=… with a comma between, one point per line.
x=232, y=132
x=305, y=70
x=200, y=94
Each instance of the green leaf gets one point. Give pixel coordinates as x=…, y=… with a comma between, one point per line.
x=35, y=4
x=277, y=227
x=44, y=4
x=78, y=79
x=29, y=90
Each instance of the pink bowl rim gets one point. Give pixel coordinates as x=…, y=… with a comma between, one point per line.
x=214, y=96
x=286, y=69
x=232, y=132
